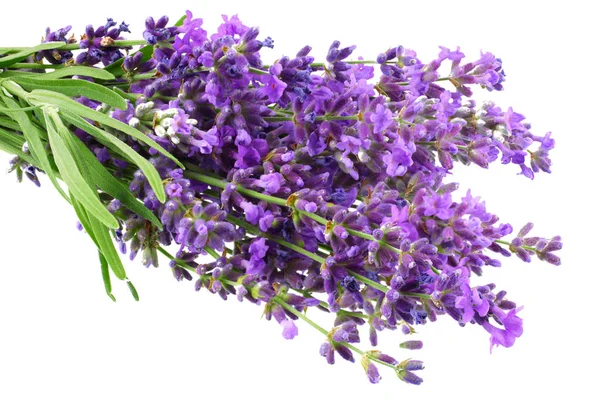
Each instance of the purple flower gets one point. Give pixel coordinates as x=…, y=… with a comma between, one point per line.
x=470, y=302
x=381, y=118
x=513, y=328
x=247, y=157
x=174, y=190
x=271, y=183
x=398, y=160
x=258, y=248
x=272, y=87
x=290, y=330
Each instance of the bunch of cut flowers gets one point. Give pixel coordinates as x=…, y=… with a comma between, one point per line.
x=302, y=186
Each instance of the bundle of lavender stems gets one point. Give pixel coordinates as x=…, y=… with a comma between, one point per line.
x=301, y=186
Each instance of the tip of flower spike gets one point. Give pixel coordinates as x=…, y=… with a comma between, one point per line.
x=412, y=345
x=409, y=377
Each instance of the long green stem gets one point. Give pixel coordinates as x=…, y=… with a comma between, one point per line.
x=319, y=118
x=309, y=321
x=37, y=66
x=508, y=244
x=116, y=43
x=300, y=315
x=255, y=231
x=222, y=184
x=191, y=173
x=177, y=261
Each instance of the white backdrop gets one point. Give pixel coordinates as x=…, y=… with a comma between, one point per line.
x=61, y=337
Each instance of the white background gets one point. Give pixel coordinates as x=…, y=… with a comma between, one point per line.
x=61, y=337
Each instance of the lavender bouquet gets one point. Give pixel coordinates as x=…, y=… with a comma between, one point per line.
x=309, y=185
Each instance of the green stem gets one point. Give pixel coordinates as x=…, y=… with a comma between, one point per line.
x=216, y=182
x=15, y=89
x=300, y=315
x=319, y=118
x=258, y=71
x=117, y=43
x=323, y=304
x=367, y=236
x=10, y=50
x=37, y=66
x=211, y=252
x=255, y=231
x=191, y=173
x=368, y=281
x=509, y=245
x=324, y=332
x=177, y=261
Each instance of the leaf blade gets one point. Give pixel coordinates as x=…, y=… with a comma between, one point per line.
x=106, y=276
x=69, y=104
x=23, y=54
x=71, y=175
x=133, y=291
x=107, y=247
x=109, y=184
x=33, y=137
x=147, y=168
x=74, y=88
x=80, y=70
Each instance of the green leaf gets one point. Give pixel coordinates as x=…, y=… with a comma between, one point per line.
x=9, y=145
x=33, y=135
x=133, y=291
x=71, y=175
x=91, y=72
x=106, y=276
x=181, y=20
x=11, y=139
x=9, y=123
x=23, y=54
x=11, y=74
x=107, y=247
x=73, y=88
x=101, y=237
x=116, y=67
x=7, y=110
x=108, y=183
x=118, y=145
x=127, y=96
x=66, y=103
x=83, y=219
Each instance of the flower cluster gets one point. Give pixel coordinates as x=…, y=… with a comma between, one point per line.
x=317, y=185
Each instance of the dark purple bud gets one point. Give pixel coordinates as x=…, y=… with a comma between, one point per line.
x=412, y=345
x=517, y=242
x=372, y=373
x=326, y=351
x=304, y=51
x=523, y=254
x=344, y=352
x=525, y=230
x=553, y=246
x=507, y=305
x=541, y=244
x=392, y=296
x=409, y=377
x=162, y=22
x=412, y=365
x=551, y=258
x=385, y=358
